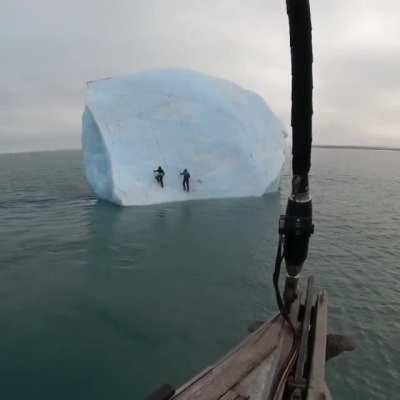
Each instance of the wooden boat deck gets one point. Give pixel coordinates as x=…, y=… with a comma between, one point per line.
x=250, y=371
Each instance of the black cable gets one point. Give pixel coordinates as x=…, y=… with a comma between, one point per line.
x=277, y=271
x=283, y=311
x=275, y=278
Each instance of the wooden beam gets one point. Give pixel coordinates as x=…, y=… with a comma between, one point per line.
x=317, y=389
x=221, y=378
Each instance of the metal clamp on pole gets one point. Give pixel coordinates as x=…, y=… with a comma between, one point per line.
x=296, y=227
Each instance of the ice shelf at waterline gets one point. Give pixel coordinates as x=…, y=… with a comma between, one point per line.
x=227, y=137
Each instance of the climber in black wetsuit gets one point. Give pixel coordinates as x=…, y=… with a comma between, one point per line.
x=159, y=175
x=186, y=177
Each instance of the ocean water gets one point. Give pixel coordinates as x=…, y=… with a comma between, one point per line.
x=102, y=302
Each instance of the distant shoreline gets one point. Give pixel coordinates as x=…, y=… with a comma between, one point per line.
x=40, y=151
x=352, y=147
x=317, y=146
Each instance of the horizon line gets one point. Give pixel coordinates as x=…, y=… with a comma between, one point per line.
x=321, y=146
x=355, y=147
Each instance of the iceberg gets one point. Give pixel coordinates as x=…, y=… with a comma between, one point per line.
x=227, y=137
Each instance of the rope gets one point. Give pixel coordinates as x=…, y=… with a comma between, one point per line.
x=292, y=356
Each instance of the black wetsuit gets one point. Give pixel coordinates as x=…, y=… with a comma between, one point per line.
x=185, y=183
x=159, y=176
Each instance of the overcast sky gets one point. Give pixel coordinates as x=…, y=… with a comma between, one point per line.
x=50, y=48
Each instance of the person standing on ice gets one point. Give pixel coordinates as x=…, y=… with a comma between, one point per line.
x=186, y=177
x=159, y=175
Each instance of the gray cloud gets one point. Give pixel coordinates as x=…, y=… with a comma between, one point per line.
x=50, y=48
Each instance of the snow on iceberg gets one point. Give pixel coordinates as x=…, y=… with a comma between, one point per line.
x=227, y=137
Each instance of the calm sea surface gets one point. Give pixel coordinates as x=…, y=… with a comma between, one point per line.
x=101, y=302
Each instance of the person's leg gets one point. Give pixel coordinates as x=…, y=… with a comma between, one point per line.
x=161, y=181
x=187, y=185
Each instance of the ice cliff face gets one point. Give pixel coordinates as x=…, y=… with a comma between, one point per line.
x=227, y=137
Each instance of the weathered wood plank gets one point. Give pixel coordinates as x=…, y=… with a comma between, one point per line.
x=257, y=384
x=219, y=379
x=232, y=395
x=285, y=346
x=249, y=371
x=317, y=388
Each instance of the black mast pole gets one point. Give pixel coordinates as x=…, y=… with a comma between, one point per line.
x=296, y=226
